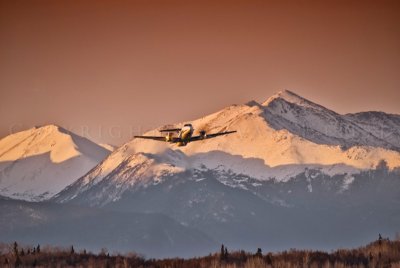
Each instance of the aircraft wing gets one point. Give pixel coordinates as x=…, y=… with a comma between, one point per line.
x=159, y=138
x=209, y=136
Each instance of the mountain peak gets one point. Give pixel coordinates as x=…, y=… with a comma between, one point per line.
x=50, y=128
x=292, y=98
x=41, y=161
x=288, y=96
x=285, y=93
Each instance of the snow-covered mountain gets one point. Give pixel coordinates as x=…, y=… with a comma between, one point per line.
x=286, y=110
x=39, y=162
x=277, y=139
x=382, y=125
x=309, y=210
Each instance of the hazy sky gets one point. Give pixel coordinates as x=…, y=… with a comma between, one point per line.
x=110, y=69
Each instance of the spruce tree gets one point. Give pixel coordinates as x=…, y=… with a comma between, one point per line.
x=15, y=248
x=259, y=252
x=222, y=254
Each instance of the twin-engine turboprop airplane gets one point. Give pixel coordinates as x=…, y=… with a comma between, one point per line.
x=184, y=135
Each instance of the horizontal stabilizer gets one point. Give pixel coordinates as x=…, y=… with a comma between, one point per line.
x=170, y=130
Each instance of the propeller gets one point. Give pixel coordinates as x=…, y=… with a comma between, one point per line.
x=203, y=134
x=202, y=130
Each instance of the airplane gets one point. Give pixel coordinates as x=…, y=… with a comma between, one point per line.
x=184, y=135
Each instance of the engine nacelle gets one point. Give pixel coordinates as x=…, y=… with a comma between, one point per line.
x=203, y=134
x=168, y=137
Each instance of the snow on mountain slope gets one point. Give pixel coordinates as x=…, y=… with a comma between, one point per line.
x=36, y=163
x=271, y=143
x=382, y=125
x=258, y=138
x=137, y=170
x=286, y=110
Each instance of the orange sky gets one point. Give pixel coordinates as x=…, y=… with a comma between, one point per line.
x=110, y=69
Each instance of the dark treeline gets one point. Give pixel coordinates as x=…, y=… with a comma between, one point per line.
x=381, y=253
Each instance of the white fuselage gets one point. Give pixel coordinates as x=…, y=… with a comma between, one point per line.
x=185, y=134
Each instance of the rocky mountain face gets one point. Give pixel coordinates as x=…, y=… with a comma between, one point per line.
x=381, y=125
